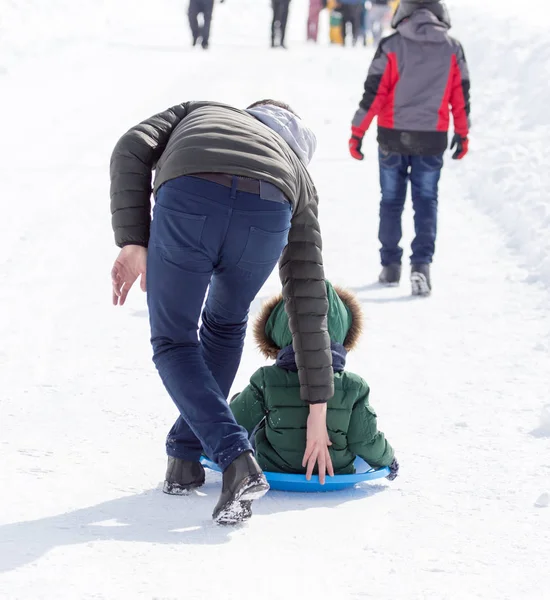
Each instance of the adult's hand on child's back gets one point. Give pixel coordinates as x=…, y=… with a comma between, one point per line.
x=318, y=443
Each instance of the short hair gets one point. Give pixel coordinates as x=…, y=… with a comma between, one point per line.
x=278, y=103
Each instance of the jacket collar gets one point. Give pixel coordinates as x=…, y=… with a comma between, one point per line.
x=286, y=359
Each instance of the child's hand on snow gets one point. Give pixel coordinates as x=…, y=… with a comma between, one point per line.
x=394, y=469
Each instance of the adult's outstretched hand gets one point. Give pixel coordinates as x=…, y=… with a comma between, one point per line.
x=318, y=443
x=130, y=264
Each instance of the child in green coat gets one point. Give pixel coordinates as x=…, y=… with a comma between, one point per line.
x=271, y=410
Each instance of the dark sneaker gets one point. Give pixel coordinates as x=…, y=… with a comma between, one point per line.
x=390, y=275
x=243, y=482
x=421, y=283
x=182, y=476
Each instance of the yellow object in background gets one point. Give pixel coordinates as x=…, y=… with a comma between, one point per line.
x=335, y=30
x=393, y=5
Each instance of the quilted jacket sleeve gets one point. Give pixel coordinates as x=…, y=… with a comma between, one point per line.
x=132, y=162
x=248, y=407
x=364, y=439
x=305, y=294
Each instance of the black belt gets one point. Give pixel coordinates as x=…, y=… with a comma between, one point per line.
x=252, y=186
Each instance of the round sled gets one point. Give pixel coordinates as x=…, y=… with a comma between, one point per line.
x=291, y=482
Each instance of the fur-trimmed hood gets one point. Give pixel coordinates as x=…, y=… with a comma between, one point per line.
x=269, y=348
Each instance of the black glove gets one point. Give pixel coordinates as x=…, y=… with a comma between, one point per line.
x=461, y=144
x=394, y=469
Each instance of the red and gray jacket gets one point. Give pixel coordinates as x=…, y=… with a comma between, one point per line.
x=416, y=76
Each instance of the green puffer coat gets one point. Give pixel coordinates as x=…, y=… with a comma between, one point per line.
x=271, y=404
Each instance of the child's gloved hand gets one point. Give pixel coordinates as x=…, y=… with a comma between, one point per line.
x=394, y=469
x=355, y=143
x=461, y=144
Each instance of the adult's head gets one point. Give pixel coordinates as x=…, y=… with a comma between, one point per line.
x=278, y=103
x=407, y=7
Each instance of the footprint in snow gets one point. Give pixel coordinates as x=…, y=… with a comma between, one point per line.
x=543, y=430
x=543, y=501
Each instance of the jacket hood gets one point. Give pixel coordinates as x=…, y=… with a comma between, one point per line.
x=407, y=7
x=345, y=322
x=423, y=26
x=291, y=128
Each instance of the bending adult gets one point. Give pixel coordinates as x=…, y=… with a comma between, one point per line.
x=232, y=196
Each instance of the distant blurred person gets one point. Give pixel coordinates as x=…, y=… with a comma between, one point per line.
x=335, y=22
x=278, y=24
x=378, y=16
x=315, y=8
x=363, y=28
x=351, y=14
x=201, y=32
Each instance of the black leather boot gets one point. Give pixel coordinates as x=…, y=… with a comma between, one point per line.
x=243, y=482
x=390, y=274
x=182, y=476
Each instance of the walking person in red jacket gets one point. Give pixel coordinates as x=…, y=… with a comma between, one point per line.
x=418, y=75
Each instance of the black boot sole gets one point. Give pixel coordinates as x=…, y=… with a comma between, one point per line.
x=388, y=283
x=419, y=285
x=238, y=509
x=176, y=489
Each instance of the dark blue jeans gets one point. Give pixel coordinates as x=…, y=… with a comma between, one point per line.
x=424, y=173
x=206, y=236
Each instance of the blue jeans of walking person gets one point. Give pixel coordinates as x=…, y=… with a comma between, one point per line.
x=395, y=172
x=206, y=237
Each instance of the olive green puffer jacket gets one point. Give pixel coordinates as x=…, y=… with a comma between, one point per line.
x=270, y=407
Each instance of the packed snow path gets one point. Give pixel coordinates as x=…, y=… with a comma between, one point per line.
x=459, y=380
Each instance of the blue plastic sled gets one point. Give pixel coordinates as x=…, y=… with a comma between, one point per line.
x=290, y=482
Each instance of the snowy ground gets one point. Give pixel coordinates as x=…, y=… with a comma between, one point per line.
x=460, y=381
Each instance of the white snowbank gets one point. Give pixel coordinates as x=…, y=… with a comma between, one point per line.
x=507, y=172
x=543, y=430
